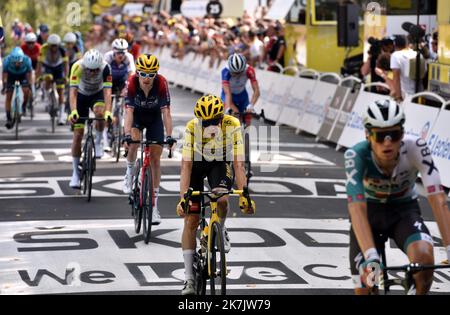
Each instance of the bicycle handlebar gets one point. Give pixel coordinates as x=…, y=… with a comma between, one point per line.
x=415, y=267
x=148, y=143
x=215, y=195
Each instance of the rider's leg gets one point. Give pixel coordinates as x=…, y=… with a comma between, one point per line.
x=76, y=154
x=9, y=95
x=422, y=252
x=26, y=95
x=131, y=160
x=99, y=110
x=132, y=149
x=155, y=162
x=413, y=237
x=189, y=243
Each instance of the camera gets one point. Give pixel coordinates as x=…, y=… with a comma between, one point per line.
x=375, y=47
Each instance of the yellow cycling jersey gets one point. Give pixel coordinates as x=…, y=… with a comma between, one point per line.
x=214, y=143
x=52, y=59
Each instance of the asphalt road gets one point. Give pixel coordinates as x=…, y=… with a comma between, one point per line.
x=53, y=241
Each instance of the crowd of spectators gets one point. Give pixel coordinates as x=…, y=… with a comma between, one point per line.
x=260, y=40
x=395, y=63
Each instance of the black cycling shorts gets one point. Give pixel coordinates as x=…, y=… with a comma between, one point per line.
x=218, y=174
x=86, y=102
x=12, y=78
x=152, y=122
x=57, y=74
x=403, y=223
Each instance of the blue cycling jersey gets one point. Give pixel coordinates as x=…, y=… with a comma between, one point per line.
x=11, y=68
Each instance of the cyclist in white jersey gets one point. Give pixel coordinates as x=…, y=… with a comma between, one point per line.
x=382, y=198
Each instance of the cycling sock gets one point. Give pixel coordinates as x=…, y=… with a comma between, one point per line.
x=188, y=256
x=105, y=136
x=98, y=137
x=156, y=192
x=130, y=166
x=75, y=163
x=8, y=115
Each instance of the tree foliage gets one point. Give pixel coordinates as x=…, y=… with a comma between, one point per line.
x=54, y=13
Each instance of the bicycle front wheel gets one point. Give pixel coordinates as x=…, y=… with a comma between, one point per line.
x=217, y=262
x=135, y=194
x=16, y=117
x=53, y=110
x=90, y=167
x=147, y=205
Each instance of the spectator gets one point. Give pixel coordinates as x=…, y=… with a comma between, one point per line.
x=276, y=48
x=256, y=49
x=383, y=69
x=400, y=65
x=43, y=34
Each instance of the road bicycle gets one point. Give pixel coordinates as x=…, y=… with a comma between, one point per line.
x=87, y=164
x=115, y=130
x=52, y=107
x=210, y=259
x=407, y=282
x=141, y=197
x=16, y=107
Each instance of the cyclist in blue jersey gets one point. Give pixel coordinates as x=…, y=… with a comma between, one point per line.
x=382, y=198
x=16, y=67
x=234, y=80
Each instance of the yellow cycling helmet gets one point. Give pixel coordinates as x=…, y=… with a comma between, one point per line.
x=147, y=63
x=209, y=107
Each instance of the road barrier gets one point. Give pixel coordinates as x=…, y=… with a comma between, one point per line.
x=321, y=104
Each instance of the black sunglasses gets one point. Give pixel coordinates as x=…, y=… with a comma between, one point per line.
x=392, y=135
x=211, y=122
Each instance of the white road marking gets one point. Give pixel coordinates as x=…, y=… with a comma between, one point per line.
x=275, y=254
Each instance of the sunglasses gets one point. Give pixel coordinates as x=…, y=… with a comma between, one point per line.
x=392, y=135
x=211, y=122
x=146, y=75
x=119, y=53
x=93, y=70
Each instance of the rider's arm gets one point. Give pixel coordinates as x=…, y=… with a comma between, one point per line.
x=75, y=77
x=226, y=76
x=185, y=176
x=130, y=93
x=228, y=99
x=357, y=206
x=107, y=87
x=128, y=120
x=164, y=103
x=132, y=67
x=187, y=158
x=438, y=203
x=421, y=157
x=360, y=225
x=238, y=158
x=255, y=86
x=167, y=119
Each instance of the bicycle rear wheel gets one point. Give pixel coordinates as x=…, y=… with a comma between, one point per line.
x=216, y=261
x=147, y=204
x=135, y=194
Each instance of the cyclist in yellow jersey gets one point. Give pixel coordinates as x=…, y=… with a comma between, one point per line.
x=212, y=141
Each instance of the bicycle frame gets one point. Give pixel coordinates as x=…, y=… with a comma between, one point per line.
x=409, y=269
x=214, y=216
